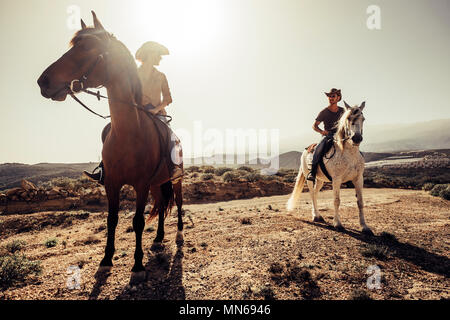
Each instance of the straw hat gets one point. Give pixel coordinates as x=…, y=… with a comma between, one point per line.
x=151, y=46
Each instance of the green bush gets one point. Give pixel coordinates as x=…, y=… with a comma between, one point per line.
x=49, y=243
x=428, y=186
x=207, y=176
x=208, y=169
x=437, y=189
x=445, y=194
x=246, y=168
x=15, y=245
x=252, y=177
x=220, y=171
x=15, y=269
x=230, y=176
x=193, y=169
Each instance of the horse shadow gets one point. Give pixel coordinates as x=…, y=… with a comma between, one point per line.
x=100, y=279
x=418, y=256
x=164, y=272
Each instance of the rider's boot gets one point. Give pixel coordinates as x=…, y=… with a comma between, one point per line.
x=97, y=176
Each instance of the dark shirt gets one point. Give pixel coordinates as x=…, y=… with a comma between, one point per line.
x=330, y=118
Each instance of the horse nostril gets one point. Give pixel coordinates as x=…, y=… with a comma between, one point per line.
x=43, y=81
x=357, y=138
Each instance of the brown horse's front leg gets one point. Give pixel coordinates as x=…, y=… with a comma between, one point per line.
x=113, y=218
x=138, y=226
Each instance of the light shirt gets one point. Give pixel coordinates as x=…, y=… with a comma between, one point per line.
x=154, y=85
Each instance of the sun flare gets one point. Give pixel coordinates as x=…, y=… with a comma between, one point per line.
x=183, y=26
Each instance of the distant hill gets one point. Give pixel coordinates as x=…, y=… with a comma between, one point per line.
x=11, y=174
x=389, y=138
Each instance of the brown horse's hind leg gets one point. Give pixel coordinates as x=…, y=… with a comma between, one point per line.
x=164, y=200
x=177, y=189
x=113, y=218
x=138, y=226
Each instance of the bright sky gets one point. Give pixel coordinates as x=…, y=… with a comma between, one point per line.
x=258, y=64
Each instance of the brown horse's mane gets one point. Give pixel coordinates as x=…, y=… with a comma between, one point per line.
x=118, y=50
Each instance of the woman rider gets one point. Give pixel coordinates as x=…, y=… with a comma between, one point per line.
x=154, y=85
x=329, y=116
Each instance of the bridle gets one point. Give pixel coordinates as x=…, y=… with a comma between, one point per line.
x=78, y=85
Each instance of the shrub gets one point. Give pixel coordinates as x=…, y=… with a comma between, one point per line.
x=49, y=243
x=290, y=178
x=246, y=168
x=193, y=169
x=428, y=186
x=252, y=177
x=220, y=171
x=436, y=191
x=15, y=245
x=15, y=269
x=445, y=194
x=230, y=176
x=208, y=169
x=377, y=251
x=207, y=176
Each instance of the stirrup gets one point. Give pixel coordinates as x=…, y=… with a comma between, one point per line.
x=311, y=177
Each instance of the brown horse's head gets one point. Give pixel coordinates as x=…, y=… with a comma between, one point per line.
x=82, y=66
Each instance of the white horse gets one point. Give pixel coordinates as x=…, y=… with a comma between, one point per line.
x=343, y=162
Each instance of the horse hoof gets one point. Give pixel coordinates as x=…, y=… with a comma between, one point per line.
x=104, y=269
x=137, y=277
x=318, y=219
x=367, y=232
x=156, y=246
x=179, y=238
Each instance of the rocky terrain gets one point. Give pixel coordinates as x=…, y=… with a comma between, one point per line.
x=245, y=249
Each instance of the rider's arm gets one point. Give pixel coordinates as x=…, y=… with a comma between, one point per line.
x=167, y=97
x=317, y=129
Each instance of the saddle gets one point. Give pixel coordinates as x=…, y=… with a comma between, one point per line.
x=170, y=167
x=312, y=148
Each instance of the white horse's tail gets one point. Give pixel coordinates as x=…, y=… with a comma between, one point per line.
x=299, y=183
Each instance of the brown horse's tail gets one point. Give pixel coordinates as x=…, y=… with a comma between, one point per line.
x=165, y=204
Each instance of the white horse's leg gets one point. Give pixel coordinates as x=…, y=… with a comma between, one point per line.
x=314, y=191
x=359, y=183
x=337, y=201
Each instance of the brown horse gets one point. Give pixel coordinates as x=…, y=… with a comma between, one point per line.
x=132, y=148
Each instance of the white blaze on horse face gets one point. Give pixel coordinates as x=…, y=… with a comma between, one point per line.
x=356, y=122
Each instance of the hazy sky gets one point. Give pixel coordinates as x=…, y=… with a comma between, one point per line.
x=234, y=64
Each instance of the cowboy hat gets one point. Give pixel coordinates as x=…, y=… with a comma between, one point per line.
x=334, y=91
x=151, y=46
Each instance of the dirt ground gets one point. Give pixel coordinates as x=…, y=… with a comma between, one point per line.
x=249, y=249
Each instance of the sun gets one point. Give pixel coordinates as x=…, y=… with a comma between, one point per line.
x=184, y=26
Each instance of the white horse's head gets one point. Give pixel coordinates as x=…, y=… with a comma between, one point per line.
x=350, y=126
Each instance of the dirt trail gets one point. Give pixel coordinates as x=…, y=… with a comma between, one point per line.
x=252, y=249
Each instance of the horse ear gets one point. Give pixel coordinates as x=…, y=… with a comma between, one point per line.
x=97, y=23
x=362, y=106
x=83, y=25
x=346, y=105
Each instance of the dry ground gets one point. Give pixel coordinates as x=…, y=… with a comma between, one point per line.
x=249, y=249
